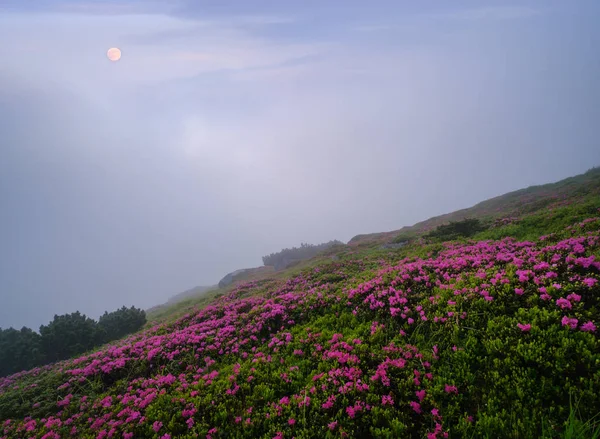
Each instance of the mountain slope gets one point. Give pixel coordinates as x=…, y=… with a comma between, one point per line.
x=469, y=338
x=513, y=204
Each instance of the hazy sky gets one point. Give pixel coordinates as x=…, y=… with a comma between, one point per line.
x=231, y=129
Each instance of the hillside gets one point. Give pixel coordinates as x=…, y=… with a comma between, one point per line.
x=191, y=295
x=491, y=335
x=188, y=294
x=513, y=204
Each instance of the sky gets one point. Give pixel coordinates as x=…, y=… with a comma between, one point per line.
x=231, y=129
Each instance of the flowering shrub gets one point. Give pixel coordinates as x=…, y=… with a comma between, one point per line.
x=464, y=340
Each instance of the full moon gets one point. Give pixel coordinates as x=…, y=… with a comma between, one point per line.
x=114, y=54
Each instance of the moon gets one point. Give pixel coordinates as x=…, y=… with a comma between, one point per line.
x=114, y=54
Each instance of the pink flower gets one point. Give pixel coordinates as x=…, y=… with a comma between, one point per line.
x=332, y=425
x=590, y=282
x=450, y=389
x=291, y=421
x=524, y=327
x=157, y=426
x=519, y=291
x=563, y=303
x=351, y=412
x=387, y=400
x=435, y=413
x=416, y=407
x=571, y=322
x=420, y=394
x=588, y=327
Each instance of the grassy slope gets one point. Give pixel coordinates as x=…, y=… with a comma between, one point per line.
x=514, y=204
x=509, y=383
x=530, y=204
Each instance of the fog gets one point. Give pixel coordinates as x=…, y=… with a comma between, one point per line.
x=229, y=132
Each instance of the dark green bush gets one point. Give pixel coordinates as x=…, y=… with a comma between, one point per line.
x=121, y=322
x=19, y=350
x=457, y=229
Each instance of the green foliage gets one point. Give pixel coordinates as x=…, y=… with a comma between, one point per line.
x=121, y=322
x=577, y=429
x=562, y=222
x=457, y=229
x=19, y=350
x=67, y=335
x=42, y=387
x=406, y=237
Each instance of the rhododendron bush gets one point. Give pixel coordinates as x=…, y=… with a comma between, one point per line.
x=477, y=337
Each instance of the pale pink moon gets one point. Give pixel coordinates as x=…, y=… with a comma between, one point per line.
x=114, y=54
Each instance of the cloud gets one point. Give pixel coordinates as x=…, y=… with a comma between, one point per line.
x=218, y=139
x=372, y=27
x=487, y=13
x=257, y=20
x=116, y=7
x=155, y=48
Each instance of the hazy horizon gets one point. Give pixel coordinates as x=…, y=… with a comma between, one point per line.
x=230, y=130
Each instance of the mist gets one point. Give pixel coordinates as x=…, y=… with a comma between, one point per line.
x=228, y=132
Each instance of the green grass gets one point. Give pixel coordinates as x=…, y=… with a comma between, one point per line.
x=178, y=309
x=556, y=221
x=577, y=429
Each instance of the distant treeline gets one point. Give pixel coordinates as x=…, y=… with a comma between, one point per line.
x=288, y=255
x=65, y=336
